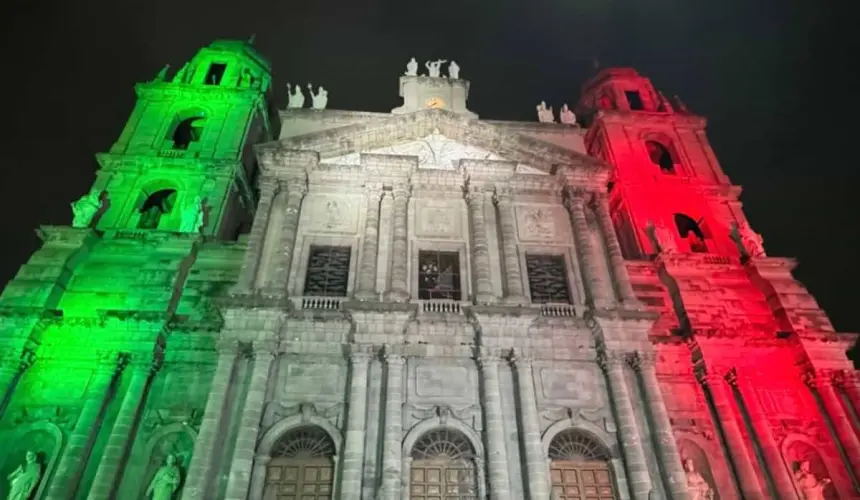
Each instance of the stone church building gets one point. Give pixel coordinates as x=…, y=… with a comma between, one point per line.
x=415, y=304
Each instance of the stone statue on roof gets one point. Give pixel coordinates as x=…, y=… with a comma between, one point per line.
x=454, y=71
x=566, y=115
x=320, y=99
x=296, y=97
x=412, y=67
x=434, y=67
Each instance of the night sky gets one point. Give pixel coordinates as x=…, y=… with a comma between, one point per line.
x=778, y=81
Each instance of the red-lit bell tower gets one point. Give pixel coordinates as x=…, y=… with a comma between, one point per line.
x=745, y=355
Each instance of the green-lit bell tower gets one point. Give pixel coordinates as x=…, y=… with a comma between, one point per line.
x=188, y=141
x=108, y=333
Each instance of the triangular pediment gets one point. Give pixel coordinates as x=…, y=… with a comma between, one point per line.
x=439, y=139
x=434, y=151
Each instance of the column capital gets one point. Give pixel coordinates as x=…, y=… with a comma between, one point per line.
x=487, y=359
x=374, y=189
x=263, y=348
x=401, y=191
x=27, y=359
x=475, y=194
x=611, y=359
x=227, y=346
x=575, y=195
x=847, y=378
x=359, y=352
x=391, y=357
x=732, y=377
x=503, y=194
x=640, y=361
x=518, y=359
x=268, y=185
x=294, y=187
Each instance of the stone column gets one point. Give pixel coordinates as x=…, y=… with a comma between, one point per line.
x=370, y=246
x=393, y=434
x=747, y=479
x=600, y=292
x=251, y=262
x=399, y=260
x=480, y=248
x=353, y=456
x=249, y=425
x=782, y=482
x=258, y=475
x=10, y=376
x=513, y=275
x=616, y=259
x=494, y=433
x=200, y=468
x=407, y=477
x=538, y=482
x=823, y=382
x=112, y=463
x=638, y=477
x=77, y=453
x=850, y=383
x=296, y=190
x=667, y=449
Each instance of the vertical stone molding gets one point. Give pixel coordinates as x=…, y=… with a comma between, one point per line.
x=514, y=292
x=393, y=434
x=494, y=435
x=353, y=456
x=200, y=468
x=480, y=247
x=249, y=425
x=538, y=481
x=745, y=471
x=366, y=289
x=399, y=259
x=10, y=376
x=296, y=190
x=112, y=463
x=782, y=482
x=258, y=475
x=251, y=261
x=77, y=452
x=850, y=383
x=616, y=259
x=822, y=382
x=599, y=291
x=667, y=448
x=628, y=432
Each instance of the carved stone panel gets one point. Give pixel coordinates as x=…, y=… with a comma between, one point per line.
x=331, y=214
x=437, y=219
x=442, y=382
x=540, y=223
x=576, y=386
x=313, y=381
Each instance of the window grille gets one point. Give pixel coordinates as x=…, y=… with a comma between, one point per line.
x=328, y=271
x=439, y=275
x=547, y=279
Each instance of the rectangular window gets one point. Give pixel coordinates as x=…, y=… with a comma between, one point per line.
x=328, y=271
x=215, y=73
x=634, y=99
x=439, y=275
x=547, y=279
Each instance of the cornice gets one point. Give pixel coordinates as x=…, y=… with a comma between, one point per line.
x=676, y=120
x=167, y=91
x=137, y=163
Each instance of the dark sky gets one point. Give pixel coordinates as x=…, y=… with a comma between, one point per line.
x=777, y=79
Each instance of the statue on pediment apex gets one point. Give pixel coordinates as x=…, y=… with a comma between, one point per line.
x=566, y=116
x=296, y=97
x=434, y=68
x=454, y=71
x=412, y=67
x=545, y=114
x=320, y=99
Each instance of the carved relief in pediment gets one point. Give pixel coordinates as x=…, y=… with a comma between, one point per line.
x=276, y=411
x=469, y=415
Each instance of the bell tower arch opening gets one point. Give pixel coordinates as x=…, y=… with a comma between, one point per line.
x=692, y=232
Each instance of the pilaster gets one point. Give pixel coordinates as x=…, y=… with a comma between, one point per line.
x=822, y=382
x=494, y=436
x=399, y=260
x=536, y=470
x=296, y=190
x=248, y=275
x=366, y=289
x=613, y=248
x=480, y=247
x=514, y=291
x=599, y=292
x=393, y=434
x=353, y=456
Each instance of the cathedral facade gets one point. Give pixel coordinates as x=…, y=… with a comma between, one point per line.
x=420, y=304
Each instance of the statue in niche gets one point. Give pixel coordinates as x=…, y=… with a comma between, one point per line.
x=24, y=479
x=246, y=79
x=696, y=484
x=192, y=216
x=85, y=208
x=297, y=98
x=412, y=67
x=566, y=115
x=434, y=67
x=545, y=114
x=166, y=480
x=162, y=75
x=180, y=75
x=320, y=99
x=454, y=70
x=334, y=215
x=661, y=237
x=809, y=485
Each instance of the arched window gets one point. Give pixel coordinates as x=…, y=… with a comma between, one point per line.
x=605, y=101
x=661, y=156
x=691, y=231
x=580, y=468
x=187, y=131
x=443, y=467
x=156, y=206
x=302, y=465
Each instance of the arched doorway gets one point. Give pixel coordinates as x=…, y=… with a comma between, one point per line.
x=580, y=468
x=302, y=466
x=443, y=467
